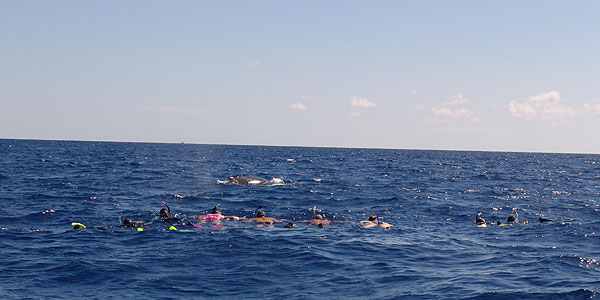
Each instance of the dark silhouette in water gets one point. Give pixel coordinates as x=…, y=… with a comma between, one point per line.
x=247, y=180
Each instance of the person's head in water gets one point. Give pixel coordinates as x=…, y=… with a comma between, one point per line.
x=318, y=217
x=127, y=222
x=215, y=211
x=511, y=219
x=372, y=218
x=163, y=213
x=261, y=214
x=78, y=227
x=289, y=225
x=480, y=220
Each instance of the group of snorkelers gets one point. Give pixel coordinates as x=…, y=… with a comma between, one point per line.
x=481, y=222
x=176, y=222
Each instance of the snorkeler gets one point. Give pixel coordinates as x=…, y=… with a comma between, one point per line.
x=216, y=215
x=166, y=215
x=134, y=224
x=80, y=226
x=262, y=218
x=318, y=220
x=374, y=222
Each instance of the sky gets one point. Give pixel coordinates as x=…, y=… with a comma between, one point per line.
x=452, y=75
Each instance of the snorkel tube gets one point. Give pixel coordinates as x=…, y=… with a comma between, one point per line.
x=256, y=211
x=78, y=224
x=120, y=215
x=168, y=208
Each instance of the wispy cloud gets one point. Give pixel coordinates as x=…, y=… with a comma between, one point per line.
x=455, y=113
x=299, y=106
x=255, y=63
x=361, y=102
x=457, y=100
x=543, y=107
x=591, y=108
x=177, y=110
x=455, y=109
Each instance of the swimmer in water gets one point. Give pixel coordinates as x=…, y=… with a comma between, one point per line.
x=167, y=216
x=190, y=225
x=79, y=226
x=216, y=215
x=480, y=222
x=318, y=220
x=289, y=225
x=374, y=222
x=514, y=220
x=262, y=218
x=134, y=224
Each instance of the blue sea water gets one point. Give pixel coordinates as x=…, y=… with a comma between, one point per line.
x=433, y=251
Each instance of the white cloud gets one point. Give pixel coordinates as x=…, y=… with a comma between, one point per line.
x=593, y=109
x=455, y=113
x=457, y=100
x=455, y=109
x=299, y=106
x=256, y=63
x=541, y=107
x=361, y=102
x=413, y=92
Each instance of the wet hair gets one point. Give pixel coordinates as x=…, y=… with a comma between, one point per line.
x=127, y=222
x=260, y=214
x=542, y=220
x=511, y=219
x=216, y=211
x=480, y=220
x=318, y=217
x=163, y=212
x=372, y=218
x=289, y=225
x=78, y=227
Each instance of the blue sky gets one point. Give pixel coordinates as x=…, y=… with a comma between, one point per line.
x=462, y=75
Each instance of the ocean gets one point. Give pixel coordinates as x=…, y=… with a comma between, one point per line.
x=434, y=250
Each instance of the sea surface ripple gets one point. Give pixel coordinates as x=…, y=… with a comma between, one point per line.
x=433, y=251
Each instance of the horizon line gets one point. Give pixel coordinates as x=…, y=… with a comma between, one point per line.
x=295, y=146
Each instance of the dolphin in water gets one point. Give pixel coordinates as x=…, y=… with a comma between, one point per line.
x=247, y=180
